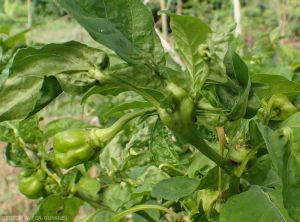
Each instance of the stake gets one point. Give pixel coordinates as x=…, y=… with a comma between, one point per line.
x=222, y=140
x=164, y=22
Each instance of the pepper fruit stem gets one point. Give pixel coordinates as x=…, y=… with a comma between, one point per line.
x=99, y=137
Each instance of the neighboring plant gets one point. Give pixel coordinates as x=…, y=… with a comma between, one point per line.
x=208, y=143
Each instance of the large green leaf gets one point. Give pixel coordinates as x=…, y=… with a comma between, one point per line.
x=125, y=26
x=284, y=148
x=267, y=85
x=16, y=156
x=57, y=207
x=27, y=89
x=140, y=79
x=188, y=33
x=117, y=195
x=102, y=90
x=147, y=180
x=29, y=130
x=49, y=91
x=16, y=40
x=199, y=165
x=6, y=134
x=175, y=188
x=235, y=98
x=254, y=205
x=262, y=173
x=162, y=146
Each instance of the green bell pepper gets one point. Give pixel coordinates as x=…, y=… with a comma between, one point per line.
x=31, y=184
x=76, y=146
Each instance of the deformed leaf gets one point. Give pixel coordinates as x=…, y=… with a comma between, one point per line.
x=16, y=156
x=29, y=130
x=235, y=98
x=6, y=134
x=188, y=33
x=267, y=85
x=125, y=26
x=49, y=91
x=241, y=207
x=103, y=90
x=284, y=148
x=57, y=207
x=175, y=188
x=141, y=79
x=162, y=146
x=116, y=195
x=24, y=91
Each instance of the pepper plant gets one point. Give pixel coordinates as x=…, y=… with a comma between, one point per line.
x=206, y=140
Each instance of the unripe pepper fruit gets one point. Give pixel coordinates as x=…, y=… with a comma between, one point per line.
x=283, y=105
x=31, y=185
x=73, y=147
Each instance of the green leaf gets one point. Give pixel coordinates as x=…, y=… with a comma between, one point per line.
x=267, y=85
x=99, y=215
x=132, y=104
x=292, y=122
x=21, y=91
x=235, y=99
x=209, y=180
x=199, y=165
x=141, y=79
x=112, y=157
x=162, y=146
x=284, y=148
x=62, y=124
x=262, y=174
x=88, y=185
x=125, y=26
x=29, y=130
x=175, y=188
x=16, y=156
x=188, y=33
x=69, y=179
x=75, y=84
x=6, y=134
x=18, y=39
x=91, y=217
x=102, y=90
x=148, y=180
x=57, y=207
x=254, y=205
x=116, y=195
x=49, y=91
x=104, y=216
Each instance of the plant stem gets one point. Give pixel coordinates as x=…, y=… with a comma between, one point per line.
x=181, y=122
x=194, y=139
x=50, y=174
x=101, y=136
x=234, y=185
x=139, y=208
